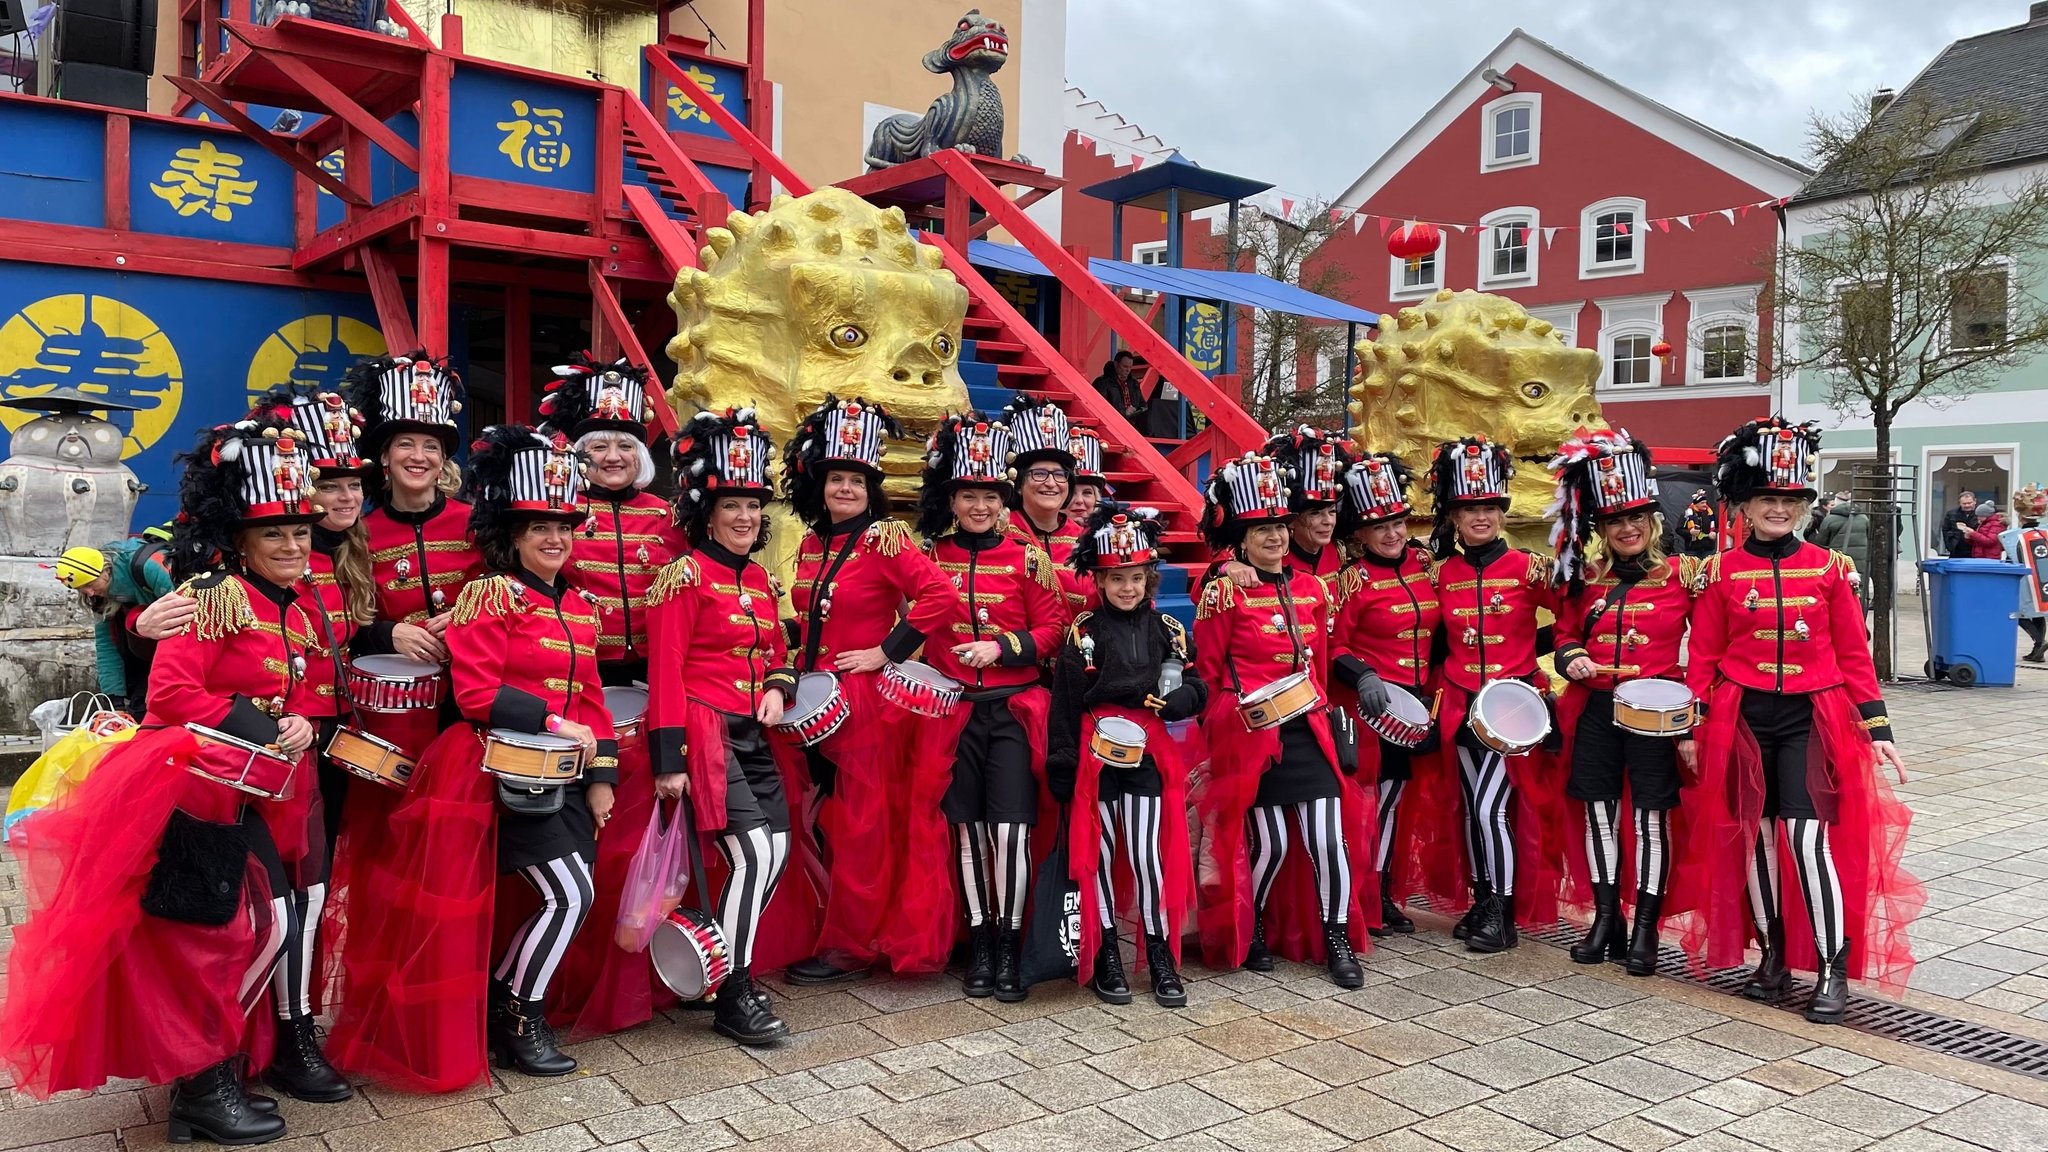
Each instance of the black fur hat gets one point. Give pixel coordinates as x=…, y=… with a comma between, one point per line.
x=1470, y=471
x=837, y=436
x=254, y=471
x=1119, y=536
x=588, y=396
x=720, y=454
x=395, y=394
x=1769, y=455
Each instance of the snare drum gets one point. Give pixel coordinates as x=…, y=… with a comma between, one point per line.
x=1405, y=721
x=1277, y=703
x=919, y=688
x=1653, y=707
x=253, y=768
x=1118, y=741
x=394, y=684
x=1509, y=716
x=820, y=708
x=628, y=706
x=370, y=757
x=690, y=954
x=534, y=759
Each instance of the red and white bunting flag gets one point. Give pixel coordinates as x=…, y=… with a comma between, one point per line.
x=1524, y=231
x=1286, y=206
x=1686, y=221
x=1386, y=225
x=1137, y=161
x=1336, y=215
x=1357, y=223
x=1727, y=214
x=1462, y=228
x=1663, y=223
x=1621, y=227
x=1549, y=234
x=1743, y=211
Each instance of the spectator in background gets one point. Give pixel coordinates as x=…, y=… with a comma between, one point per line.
x=1984, y=543
x=112, y=582
x=1956, y=525
x=1701, y=529
x=1846, y=529
x=1821, y=508
x=2029, y=504
x=1120, y=387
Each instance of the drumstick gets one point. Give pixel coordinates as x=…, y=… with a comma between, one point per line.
x=1609, y=670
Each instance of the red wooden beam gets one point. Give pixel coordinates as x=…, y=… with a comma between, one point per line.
x=1031, y=196
x=533, y=242
x=518, y=351
x=117, y=173
x=611, y=157
x=389, y=296
x=282, y=147
x=741, y=134
x=661, y=228
x=112, y=255
x=621, y=329
x=396, y=212
x=431, y=288
x=676, y=166
x=342, y=106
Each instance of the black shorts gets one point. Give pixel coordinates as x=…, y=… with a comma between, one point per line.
x=992, y=779
x=1140, y=779
x=1601, y=753
x=1792, y=755
x=1302, y=773
x=1395, y=761
x=753, y=784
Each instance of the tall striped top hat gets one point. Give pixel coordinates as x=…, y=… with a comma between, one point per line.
x=1038, y=431
x=1118, y=536
x=588, y=396
x=1769, y=455
x=1473, y=470
x=271, y=468
x=1316, y=461
x=1249, y=490
x=325, y=421
x=723, y=455
x=518, y=474
x=1600, y=474
x=1375, y=491
x=964, y=451
x=397, y=394
x=852, y=433
x=838, y=434
x=1084, y=444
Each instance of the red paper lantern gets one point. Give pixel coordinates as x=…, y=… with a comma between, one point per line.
x=1412, y=242
x=1661, y=350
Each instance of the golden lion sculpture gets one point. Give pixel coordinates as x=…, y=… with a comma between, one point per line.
x=1463, y=363
x=823, y=293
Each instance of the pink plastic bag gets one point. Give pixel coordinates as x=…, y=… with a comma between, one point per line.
x=655, y=880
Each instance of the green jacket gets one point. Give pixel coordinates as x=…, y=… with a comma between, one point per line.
x=129, y=587
x=1846, y=529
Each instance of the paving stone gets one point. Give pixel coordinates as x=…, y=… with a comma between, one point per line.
x=1998, y=957
x=1170, y=1111
x=1354, y=1113
x=1598, y=993
x=1708, y=1061
x=841, y=1136
x=65, y=1119
x=436, y=1130
x=1565, y=1105
x=1258, y=1085
x=1922, y=1140
x=842, y=1104
x=1323, y=1019
x=1065, y=1086
x=1996, y=1122
x=1159, y=1025
x=1576, y=1038
x=720, y=1104
x=1101, y=1041
x=630, y=1124
x=305, y=1119
x=1930, y=1093
x=1334, y=1063
x=564, y=1138
x=1280, y=996
x=1537, y=1005
x=1637, y=1135
x=1754, y=1040
x=1641, y=1078
x=954, y=1115
x=1483, y=1130
x=1837, y=1060
x=1687, y=1116
x=1791, y=1077
x=981, y=1069
x=1476, y=1023
x=1842, y=1105
x=986, y=1042
x=932, y=1022
x=762, y=1123
x=1089, y=1128
x=1942, y=976
x=1391, y=1002
x=902, y=992
x=663, y=1039
x=676, y=1079
x=1740, y=1097
x=1160, y=1062
x=1404, y=1043
x=1406, y=1140
x=1276, y=1132
x=916, y=1085
x=563, y=1102
x=1426, y=1089
x=1454, y=985
x=1508, y=1064
x=1248, y=1039
x=1652, y=1021
x=1784, y=1130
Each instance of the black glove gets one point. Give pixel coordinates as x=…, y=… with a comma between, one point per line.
x=1181, y=703
x=1372, y=694
x=1060, y=782
x=1431, y=741
x=824, y=773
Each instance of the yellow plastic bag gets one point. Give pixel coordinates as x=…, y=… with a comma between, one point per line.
x=63, y=768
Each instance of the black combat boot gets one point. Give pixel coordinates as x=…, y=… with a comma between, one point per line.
x=1481, y=893
x=1604, y=937
x=1769, y=980
x=742, y=1012
x=300, y=1070
x=245, y=1074
x=1009, y=964
x=521, y=1038
x=1110, y=984
x=980, y=981
x=1643, y=945
x=1392, y=919
x=1167, y=990
x=1343, y=964
x=1831, y=989
x=1495, y=929
x=819, y=970
x=1257, y=957
x=210, y=1106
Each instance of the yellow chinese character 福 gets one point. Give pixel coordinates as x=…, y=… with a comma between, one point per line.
x=533, y=138
x=204, y=179
x=335, y=165
x=684, y=107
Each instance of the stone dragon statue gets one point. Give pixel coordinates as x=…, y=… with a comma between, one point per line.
x=1466, y=362
x=969, y=117
x=820, y=294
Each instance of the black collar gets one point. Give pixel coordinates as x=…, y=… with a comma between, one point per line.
x=554, y=591
x=1629, y=569
x=328, y=541
x=1310, y=559
x=1279, y=577
x=610, y=495
x=1781, y=548
x=271, y=592
x=718, y=553
x=1378, y=561
x=978, y=541
x=1486, y=553
x=403, y=517
x=835, y=528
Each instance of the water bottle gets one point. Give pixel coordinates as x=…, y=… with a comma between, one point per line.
x=1169, y=677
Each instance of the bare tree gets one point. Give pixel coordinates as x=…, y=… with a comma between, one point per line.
x=1907, y=288
x=1281, y=343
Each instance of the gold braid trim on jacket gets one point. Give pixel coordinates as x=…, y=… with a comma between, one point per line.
x=223, y=605
x=491, y=595
x=891, y=537
x=677, y=574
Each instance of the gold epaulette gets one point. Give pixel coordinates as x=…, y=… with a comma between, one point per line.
x=1075, y=631
x=1349, y=581
x=890, y=537
x=492, y=595
x=223, y=605
x=1844, y=561
x=1219, y=596
x=1692, y=572
x=1539, y=569
x=1436, y=569
x=1178, y=633
x=1038, y=565
x=679, y=573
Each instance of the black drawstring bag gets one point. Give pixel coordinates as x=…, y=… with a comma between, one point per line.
x=200, y=867
x=1052, y=931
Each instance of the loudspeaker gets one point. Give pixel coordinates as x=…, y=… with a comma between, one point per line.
x=111, y=33
x=13, y=17
x=99, y=84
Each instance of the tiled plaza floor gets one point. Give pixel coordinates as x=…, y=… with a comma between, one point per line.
x=1440, y=1050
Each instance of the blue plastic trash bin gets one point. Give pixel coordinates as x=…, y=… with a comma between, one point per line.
x=1976, y=636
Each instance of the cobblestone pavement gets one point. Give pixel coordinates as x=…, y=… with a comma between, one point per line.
x=1440, y=1050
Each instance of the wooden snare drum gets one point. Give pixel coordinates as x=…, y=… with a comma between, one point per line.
x=371, y=757
x=1277, y=703
x=1654, y=707
x=395, y=684
x=1118, y=741
x=1405, y=721
x=532, y=759
x=819, y=709
x=1509, y=716
x=258, y=769
x=628, y=705
x=690, y=954
x=919, y=688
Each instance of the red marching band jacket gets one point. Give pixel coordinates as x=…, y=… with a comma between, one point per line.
x=1059, y=545
x=1010, y=593
x=619, y=548
x=1388, y=618
x=420, y=560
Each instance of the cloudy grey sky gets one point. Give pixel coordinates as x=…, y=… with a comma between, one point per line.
x=1307, y=93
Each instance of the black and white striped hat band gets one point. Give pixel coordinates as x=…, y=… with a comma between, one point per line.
x=740, y=458
x=1040, y=429
x=981, y=452
x=544, y=478
x=417, y=391
x=328, y=429
x=1257, y=487
x=854, y=433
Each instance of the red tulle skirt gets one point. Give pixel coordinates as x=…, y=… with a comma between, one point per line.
x=1867, y=840
x=1540, y=818
x=96, y=988
x=861, y=823
x=600, y=986
x=1238, y=757
x=1084, y=844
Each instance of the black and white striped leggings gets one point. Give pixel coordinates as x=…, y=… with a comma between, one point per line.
x=994, y=888
x=756, y=858
x=1322, y=836
x=1818, y=881
x=1134, y=820
x=1489, y=797
x=539, y=945
x=1603, y=845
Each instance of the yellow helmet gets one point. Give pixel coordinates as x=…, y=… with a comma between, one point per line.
x=80, y=567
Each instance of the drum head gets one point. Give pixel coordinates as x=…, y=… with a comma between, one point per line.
x=1656, y=695
x=678, y=963
x=545, y=741
x=394, y=667
x=1268, y=691
x=925, y=674
x=625, y=704
x=1514, y=711
x=1402, y=705
x=813, y=691
x=1118, y=730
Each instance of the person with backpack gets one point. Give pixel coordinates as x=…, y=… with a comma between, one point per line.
x=113, y=582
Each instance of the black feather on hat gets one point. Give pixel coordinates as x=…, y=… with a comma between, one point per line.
x=588, y=396
x=716, y=455
x=252, y=472
x=377, y=388
x=1118, y=536
x=1769, y=455
x=811, y=454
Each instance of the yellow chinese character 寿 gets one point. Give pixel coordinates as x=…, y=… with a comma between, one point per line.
x=533, y=138
x=686, y=108
x=204, y=179
x=335, y=164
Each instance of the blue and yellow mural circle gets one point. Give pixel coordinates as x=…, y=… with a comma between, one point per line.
x=316, y=349
x=100, y=346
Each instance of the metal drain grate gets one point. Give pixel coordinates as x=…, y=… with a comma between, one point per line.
x=1913, y=1026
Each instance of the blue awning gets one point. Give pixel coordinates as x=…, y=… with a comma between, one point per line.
x=1197, y=187
x=1247, y=288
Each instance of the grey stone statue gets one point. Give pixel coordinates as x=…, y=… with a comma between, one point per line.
x=969, y=117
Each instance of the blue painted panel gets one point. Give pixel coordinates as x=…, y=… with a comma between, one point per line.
x=727, y=86
x=207, y=185
x=734, y=182
x=523, y=129
x=55, y=166
x=388, y=177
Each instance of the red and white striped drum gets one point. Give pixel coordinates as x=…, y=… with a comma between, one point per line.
x=919, y=688
x=690, y=954
x=1405, y=721
x=395, y=684
x=371, y=757
x=819, y=709
x=628, y=705
x=257, y=769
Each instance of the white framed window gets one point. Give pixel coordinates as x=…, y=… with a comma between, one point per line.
x=1862, y=323
x=1611, y=237
x=1509, y=242
x=1511, y=131
x=1721, y=338
x=1981, y=313
x=1148, y=253
x=1629, y=327
x=1564, y=318
x=1406, y=281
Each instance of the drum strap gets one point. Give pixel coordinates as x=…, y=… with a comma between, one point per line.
x=814, y=631
x=683, y=813
x=340, y=666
